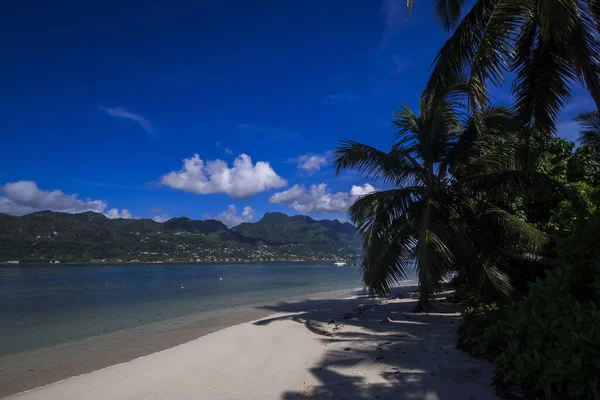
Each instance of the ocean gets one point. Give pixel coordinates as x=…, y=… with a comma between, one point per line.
x=58, y=321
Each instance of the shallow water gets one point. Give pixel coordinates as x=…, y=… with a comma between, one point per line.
x=61, y=321
x=46, y=305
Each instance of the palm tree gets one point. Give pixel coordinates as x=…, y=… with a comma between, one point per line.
x=544, y=44
x=590, y=133
x=446, y=174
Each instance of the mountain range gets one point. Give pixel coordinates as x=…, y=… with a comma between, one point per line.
x=48, y=236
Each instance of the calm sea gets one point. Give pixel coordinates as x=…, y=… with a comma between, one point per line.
x=60, y=321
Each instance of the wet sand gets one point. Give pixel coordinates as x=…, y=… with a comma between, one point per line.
x=34, y=368
x=351, y=348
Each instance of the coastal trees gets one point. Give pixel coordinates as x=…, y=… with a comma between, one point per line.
x=446, y=177
x=544, y=45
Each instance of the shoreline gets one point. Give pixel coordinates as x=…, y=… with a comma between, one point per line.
x=31, y=369
x=352, y=347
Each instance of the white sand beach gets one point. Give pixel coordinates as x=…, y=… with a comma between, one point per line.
x=353, y=348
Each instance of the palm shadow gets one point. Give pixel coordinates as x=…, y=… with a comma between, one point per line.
x=414, y=354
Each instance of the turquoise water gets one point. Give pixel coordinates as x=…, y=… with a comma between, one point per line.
x=49, y=305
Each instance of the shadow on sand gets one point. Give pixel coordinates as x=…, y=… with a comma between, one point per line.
x=381, y=350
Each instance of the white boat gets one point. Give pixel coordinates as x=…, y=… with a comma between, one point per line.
x=339, y=264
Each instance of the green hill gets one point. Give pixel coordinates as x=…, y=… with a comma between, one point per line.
x=278, y=228
x=45, y=236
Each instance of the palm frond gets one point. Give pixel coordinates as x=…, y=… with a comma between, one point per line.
x=585, y=48
x=557, y=19
x=383, y=224
x=512, y=233
x=389, y=258
x=542, y=79
x=499, y=158
x=531, y=185
x=448, y=11
x=481, y=45
x=457, y=53
x=590, y=132
x=389, y=168
x=477, y=137
x=484, y=273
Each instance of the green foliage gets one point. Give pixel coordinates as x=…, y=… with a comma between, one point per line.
x=564, y=217
x=554, y=156
x=584, y=166
x=553, y=333
x=479, y=334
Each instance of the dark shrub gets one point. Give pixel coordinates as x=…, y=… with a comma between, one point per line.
x=479, y=335
x=553, y=334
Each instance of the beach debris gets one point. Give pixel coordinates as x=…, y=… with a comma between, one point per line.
x=182, y=287
x=347, y=349
x=220, y=279
x=309, y=392
x=322, y=332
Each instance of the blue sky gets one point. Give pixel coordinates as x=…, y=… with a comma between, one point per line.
x=102, y=102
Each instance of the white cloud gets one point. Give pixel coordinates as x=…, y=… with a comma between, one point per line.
x=229, y=217
x=228, y=151
x=317, y=199
x=363, y=190
x=114, y=213
x=311, y=163
x=123, y=113
x=243, y=180
x=161, y=218
x=24, y=197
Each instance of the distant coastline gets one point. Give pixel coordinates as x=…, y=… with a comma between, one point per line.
x=53, y=237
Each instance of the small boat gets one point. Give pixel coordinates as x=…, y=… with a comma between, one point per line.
x=339, y=264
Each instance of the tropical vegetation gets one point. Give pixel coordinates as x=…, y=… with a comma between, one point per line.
x=450, y=177
x=551, y=338
x=489, y=195
x=544, y=45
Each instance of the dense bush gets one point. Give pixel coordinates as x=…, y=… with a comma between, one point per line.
x=480, y=335
x=553, y=334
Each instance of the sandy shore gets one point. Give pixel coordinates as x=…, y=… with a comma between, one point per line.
x=337, y=348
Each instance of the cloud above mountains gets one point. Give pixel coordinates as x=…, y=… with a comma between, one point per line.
x=241, y=181
x=230, y=218
x=318, y=199
x=24, y=197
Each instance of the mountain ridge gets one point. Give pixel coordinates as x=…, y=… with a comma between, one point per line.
x=44, y=236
